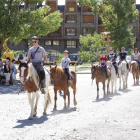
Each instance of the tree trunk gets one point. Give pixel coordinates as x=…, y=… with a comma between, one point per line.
x=1, y=47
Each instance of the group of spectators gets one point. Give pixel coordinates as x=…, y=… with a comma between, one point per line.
x=8, y=70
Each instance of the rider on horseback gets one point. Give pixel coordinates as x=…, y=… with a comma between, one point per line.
x=65, y=64
x=36, y=54
x=122, y=56
x=136, y=55
x=112, y=57
x=103, y=63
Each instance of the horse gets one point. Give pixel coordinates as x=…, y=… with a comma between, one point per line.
x=123, y=72
x=29, y=77
x=60, y=82
x=100, y=75
x=134, y=66
x=113, y=75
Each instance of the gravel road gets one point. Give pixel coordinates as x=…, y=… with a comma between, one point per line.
x=114, y=118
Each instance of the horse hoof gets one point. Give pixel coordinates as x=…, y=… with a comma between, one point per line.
x=97, y=97
x=75, y=103
x=44, y=113
x=34, y=115
x=54, y=109
x=30, y=118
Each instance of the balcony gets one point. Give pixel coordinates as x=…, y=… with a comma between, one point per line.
x=86, y=9
x=71, y=6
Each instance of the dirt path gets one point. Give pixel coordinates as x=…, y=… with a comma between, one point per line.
x=113, y=118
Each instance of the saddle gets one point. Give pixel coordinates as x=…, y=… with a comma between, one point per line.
x=67, y=75
x=103, y=70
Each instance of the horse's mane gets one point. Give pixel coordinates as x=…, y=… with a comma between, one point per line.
x=136, y=64
x=59, y=70
x=33, y=73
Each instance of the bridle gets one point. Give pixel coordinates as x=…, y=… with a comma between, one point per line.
x=25, y=76
x=95, y=74
x=56, y=80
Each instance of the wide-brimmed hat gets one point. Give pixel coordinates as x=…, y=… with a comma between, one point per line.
x=66, y=51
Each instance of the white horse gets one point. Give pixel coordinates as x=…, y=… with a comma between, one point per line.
x=113, y=75
x=123, y=72
x=27, y=71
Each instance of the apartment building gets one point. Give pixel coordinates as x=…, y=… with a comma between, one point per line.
x=76, y=21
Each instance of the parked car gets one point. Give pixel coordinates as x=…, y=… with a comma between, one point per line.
x=128, y=59
x=75, y=57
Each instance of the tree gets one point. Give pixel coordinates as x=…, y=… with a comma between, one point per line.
x=116, y=15
x=91, y=46
x=22, y=24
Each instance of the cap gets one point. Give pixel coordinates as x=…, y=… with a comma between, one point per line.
x=104, y=52
x=35, y=37
x=66, y=51
x=122, y=48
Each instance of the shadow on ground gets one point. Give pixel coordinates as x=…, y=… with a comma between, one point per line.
x=27, y=122
x=12, y=89
x=63, y=111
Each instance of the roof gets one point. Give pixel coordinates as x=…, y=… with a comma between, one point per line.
x=61, y=8
x=138, y=6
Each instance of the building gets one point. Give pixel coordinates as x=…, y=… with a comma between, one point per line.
x=76, y=21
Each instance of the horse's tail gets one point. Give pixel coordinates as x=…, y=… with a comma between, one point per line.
x=48, y=99
x=74, y=79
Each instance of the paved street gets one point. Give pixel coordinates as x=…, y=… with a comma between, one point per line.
x=114, y=118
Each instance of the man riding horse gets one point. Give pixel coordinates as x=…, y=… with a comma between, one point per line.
x=36, y=54
x=112, y=57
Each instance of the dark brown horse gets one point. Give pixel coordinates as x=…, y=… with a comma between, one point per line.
x=59, y=80
x=29, y=77
x=100, y=75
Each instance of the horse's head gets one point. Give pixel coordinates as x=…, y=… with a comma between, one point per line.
x=109, y=64
x=23, y=70
x=53, y=74
x=94, y=70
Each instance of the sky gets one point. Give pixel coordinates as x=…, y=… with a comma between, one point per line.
x=62, y=2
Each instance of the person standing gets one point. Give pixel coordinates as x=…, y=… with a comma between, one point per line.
x=14, y=70
x=36, y=54
x=7, y=71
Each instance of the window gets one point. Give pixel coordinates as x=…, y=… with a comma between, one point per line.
x=30, y=7
x=48, y=43
x=55, y=43
x=71, y=44
x=70, y=19
x=70, y=31
x=88, y=31
x=71, y=6
x=88, y=18
x=86, y=9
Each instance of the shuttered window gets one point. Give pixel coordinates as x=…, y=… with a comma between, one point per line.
x=88, y=18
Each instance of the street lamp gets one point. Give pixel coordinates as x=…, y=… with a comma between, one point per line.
x=106, y=39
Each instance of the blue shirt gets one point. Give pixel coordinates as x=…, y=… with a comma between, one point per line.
x=65, y=61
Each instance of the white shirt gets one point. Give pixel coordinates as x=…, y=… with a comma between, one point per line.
x=136, y=56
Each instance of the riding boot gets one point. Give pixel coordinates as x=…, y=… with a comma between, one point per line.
x=106, y=72
x=43, y=82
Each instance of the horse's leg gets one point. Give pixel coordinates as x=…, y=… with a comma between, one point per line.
x=35, y=108
x=64, y=97
x=97, y=90
x=120, y=83
x=115, y=84
x=112, y=83
x=47, y=100
x=55, y=99
x=108, y=87
x=32, y=105
x=68, y=93
x=74, y=92
x=137, y=78
x=104, y=89
x=134, y=78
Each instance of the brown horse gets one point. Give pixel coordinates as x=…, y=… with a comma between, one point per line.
x=59, y=80
x=100, y=75
x=135, y=71
x=29, y=77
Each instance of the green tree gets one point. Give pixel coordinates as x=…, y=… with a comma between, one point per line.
x=116, y=15
x=91, y=46
x=22, y=24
